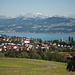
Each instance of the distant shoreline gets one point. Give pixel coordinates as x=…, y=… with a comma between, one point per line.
x=43, y=36
x=32, y=32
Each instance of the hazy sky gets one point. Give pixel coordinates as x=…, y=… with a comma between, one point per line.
x=46, y=7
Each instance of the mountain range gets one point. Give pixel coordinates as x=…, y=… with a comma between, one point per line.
x=38, y=24
x=32, y=15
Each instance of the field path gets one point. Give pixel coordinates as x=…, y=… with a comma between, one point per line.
x=48, y=67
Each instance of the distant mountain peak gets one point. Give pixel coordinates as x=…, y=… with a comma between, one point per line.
x=3, y=17
x=38, y=13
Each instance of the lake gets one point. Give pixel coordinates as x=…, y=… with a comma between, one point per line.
x=43, y=36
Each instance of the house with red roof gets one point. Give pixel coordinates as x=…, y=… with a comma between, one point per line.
x=68, y=55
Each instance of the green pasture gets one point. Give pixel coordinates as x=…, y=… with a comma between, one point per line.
x=9, y=66
x=66, y=52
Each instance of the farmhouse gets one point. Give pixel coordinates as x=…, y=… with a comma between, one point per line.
x=69, y=55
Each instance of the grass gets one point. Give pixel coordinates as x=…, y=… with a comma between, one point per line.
x=66, y=52
x=19, y=63
x=30, y=63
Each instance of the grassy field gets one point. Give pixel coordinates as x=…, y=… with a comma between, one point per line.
x=9, y=66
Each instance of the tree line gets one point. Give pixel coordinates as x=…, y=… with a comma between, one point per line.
x=36, y=54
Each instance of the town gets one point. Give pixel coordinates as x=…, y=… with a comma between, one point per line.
x=12, y=46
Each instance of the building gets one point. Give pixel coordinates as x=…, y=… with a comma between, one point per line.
x=27, y=41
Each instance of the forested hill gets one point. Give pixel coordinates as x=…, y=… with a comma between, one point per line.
x=46, y=25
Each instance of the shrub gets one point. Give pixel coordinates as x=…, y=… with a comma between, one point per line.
x=2, y=55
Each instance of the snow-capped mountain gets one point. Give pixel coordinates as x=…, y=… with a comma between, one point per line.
x=33, y=15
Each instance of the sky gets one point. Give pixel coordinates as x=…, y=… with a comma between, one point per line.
x=47, y=7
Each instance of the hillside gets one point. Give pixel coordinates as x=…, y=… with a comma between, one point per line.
x=20, y=66
x=46, y=25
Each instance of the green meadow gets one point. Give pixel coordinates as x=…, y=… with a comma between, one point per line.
x=21, y=66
